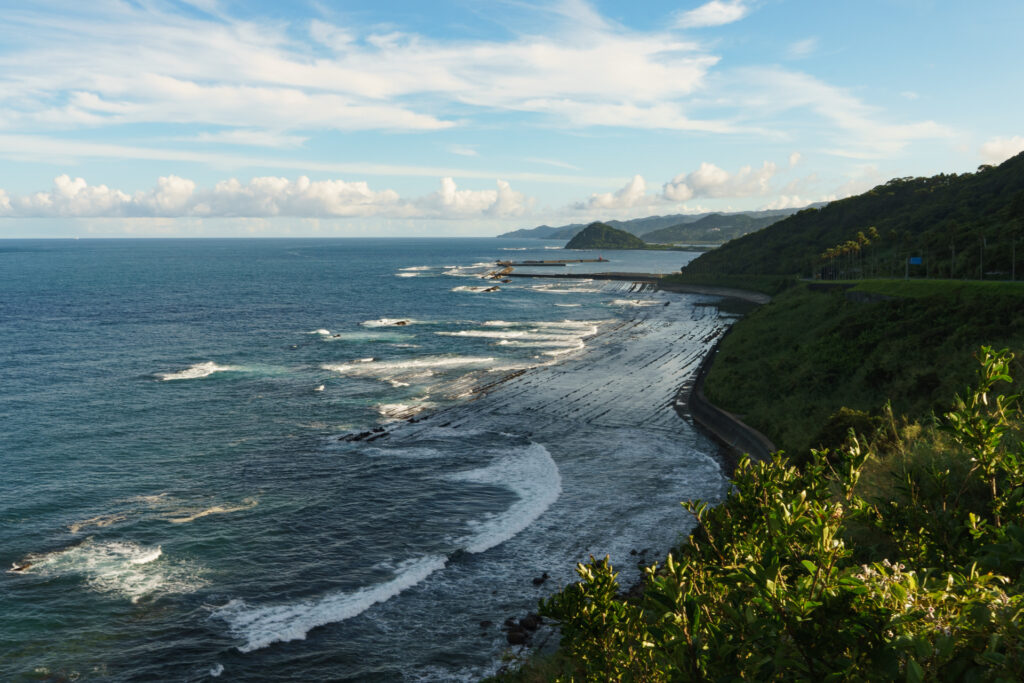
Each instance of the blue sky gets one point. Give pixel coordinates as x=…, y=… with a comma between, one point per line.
x=202, y=117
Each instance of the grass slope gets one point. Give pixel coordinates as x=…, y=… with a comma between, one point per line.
x=792, y=364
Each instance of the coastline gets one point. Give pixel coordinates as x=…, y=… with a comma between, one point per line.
x=657, y=279
x=691, y=406
x=736, y=437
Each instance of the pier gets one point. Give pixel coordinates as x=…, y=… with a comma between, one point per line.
x=634, y=277
x=551, y=262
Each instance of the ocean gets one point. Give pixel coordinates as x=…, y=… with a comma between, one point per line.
x=304, y=459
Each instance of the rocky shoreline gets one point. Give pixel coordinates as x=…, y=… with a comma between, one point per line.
x=734, y=437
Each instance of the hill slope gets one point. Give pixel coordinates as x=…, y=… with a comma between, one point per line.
x=604, y=236
x=715, y=228
x=959, y=225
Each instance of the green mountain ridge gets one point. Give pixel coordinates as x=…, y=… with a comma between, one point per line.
x=715, y=228
x=969, y=225
x=636, y=226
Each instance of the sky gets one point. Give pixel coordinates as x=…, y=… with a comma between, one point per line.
x=464, y=118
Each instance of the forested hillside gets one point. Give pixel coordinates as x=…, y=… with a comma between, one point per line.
x=603, y=236
x=963, y=226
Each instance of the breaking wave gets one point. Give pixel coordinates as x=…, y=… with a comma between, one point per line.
x=263, y=626
x=121, y=568
x=390, y=322
x=196, y=371
x=532, y=475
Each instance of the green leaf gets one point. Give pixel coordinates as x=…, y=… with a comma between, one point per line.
x=809, y=566
x=915, y=674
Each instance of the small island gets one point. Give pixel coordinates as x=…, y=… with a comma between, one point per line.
x=599, y=235
x=603, y=236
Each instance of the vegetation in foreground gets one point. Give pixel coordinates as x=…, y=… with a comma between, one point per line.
x=898, y=558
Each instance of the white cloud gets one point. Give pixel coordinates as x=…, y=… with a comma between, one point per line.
x=463, y=150
x=170, y=198
x=253, y=138
x=859, y=180
x=667, y=116
x=37, y=148
x=714, y=13
x=71, y=197
x=786, y=202
x=998, y=150
x=710, y=181
x=794, y=159
x=633, y=194
x=772, y=90
x=125, y=63
x=451, y=202
x=909, y=95
x=553, y=162
x=269, y=196
x=802, y=48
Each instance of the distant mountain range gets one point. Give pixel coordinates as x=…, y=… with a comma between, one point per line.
x=710, y=227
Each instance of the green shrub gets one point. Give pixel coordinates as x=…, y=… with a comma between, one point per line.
x=776, y=583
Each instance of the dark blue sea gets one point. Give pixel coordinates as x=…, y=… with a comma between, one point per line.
x=306, y=459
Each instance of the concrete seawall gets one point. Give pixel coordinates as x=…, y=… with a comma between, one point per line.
x=727, y=428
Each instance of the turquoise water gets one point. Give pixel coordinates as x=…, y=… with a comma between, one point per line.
x=174, y=480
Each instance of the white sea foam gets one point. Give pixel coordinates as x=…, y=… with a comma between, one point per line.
x=550, y=247
x=406, y=274
x=563, y=351
x=481, y=269
x=532, y=475
x=416, y=268
x=475, y=290
x=502, y=334
x=322, y=332
x=196, y=371
x=513, y=248
x=368, y=335
x=637, y=302
x=121, y=568
x=185, y=515
x=572, y=324
x=390, y=322
x=566, y=288
x=98, y=521
x=402, y=411
x=216, y=670
x=388, y=368
x=263, y=626
x=412, y=452
x=567, y=333
x=559, y=343
x=569, y=305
